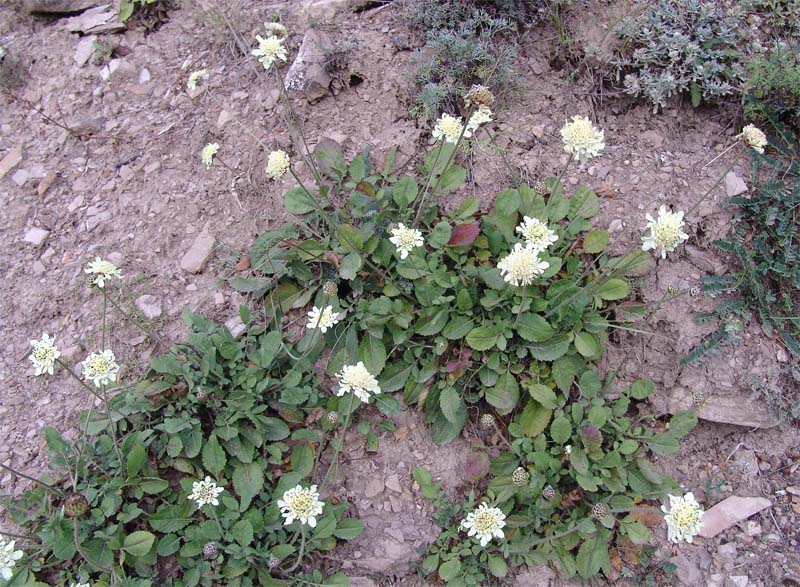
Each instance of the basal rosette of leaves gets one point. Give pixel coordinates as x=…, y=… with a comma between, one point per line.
x=244, y=412
x=441, y=324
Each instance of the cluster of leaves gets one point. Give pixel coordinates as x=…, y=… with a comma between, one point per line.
x=765, y=245
x=779, y=15
x=241, y=411
x=552, y=516
x=773, y=86
x=679, y=46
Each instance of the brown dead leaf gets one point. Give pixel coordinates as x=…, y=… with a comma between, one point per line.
x=315, y=415
x=648, y=516
x=606, y=189
x=243, y=264
x=616, y=565
x=332, y=258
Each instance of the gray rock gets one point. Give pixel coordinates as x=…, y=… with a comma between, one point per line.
x=144, y=76
x=716, y=581
x=11, y=160
x=149, y=305
x=393, y=483
x=57, y=6
x=705, y=260
x=36, y=236
x=734, y=185
x=615, y=226
x=738, y=581
x=374, y=487
x=362, y=582
x=84, y=50
x=307, y=73
x=98, y=20
x=687, y=571
x=198, y=255
x=730, y=511
x=20, y=177
x=235, y=326
x=119, y=69
x=95, y=220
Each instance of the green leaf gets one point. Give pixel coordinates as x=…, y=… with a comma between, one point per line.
x=432, y=321
x=663, y=444
x=534, y=328
x=242, y=532
x=590, y=384
x=696, y=94
x=586, y=482
x=638, y=533
x=534, y=419
x=682, y=423
x=440, y=235
x=172, y=518
x=595, y=242
x=482, y=338
x=593, y=555
x=560, y=430
x=497, y=566
x=587, y=345
x=641, y=389
x=138, y=543
x=337, y=580
x=551, y=349
x=302, y=459
x=449, y=570
x=451, y=404
x=299, y=201
x=168, y=545
x=628, y=446
x=584, y=203
x=248, y=481
x=405, y=191
x=507, y=202
x=358, y=168
x=350, y=238
x=214, y=459
x=452, y=179
x=544, y=395
x=504, y=395
x=613, y=289
x=348, y=269
x=349, y=528
x=564, y=372
x=394, y=377
x=372, y=353
x=457, y=328
x=125, y=10
x=136, y=459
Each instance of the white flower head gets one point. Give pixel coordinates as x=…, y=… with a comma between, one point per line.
x=205, y=492
x=8, y=559
x=103, y=271
x=665, y=231
x=582, y=140
x=79, y=585
x=406, y=239
x=522, y=265
x=277, y=164
x=322, y=318
x=301, y=504
x=201, y=76
x=481, y=116
x=484, y=523
x=568, y=449
x=356, y=379
x=449, y=128
x=44, y=355
x=275, y=29
x=269, y=50
x=207, y=154
x=101, y=368
x=684, y=517
x=754, y=137
x=536, y=233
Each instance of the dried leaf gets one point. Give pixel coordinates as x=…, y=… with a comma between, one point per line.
x=606, y=189
x=648, y=516
x=243, y=264
x=464, y=234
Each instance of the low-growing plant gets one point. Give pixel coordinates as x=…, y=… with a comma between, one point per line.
x=773, y=85
x=671, y=47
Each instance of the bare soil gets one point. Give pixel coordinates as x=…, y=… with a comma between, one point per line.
x=127, y=183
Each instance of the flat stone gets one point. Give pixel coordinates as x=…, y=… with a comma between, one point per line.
x=687, y=571
x=46, y=182
x=307, y=73
x=97, y=20
x=716, y=581
x=235, y=326
x=149, y=305
x=615, y=225
x=96, y=220
x=705, y=260
x=121, y=69
x=739, y=581
x=793, y=490
x=11, y=160
x=362, y=582
x=374, y=487
x=20, y=177
x=199, y=253
x=57, y=6
x=84, y=50
x=734, y=185
x=144, y=76
x=730, y=511
x=393, y=483
x=36, y=236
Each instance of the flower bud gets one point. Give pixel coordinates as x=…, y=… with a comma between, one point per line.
x=487, y=421
x=520, y=477
x=76, y=505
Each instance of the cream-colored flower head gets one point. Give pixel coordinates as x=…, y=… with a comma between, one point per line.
x=103, y=271
x=356, y=379
x=300, y=503
x=205, y=492
x=275, y=29
x=568, y=449
x=8, y=559
x=101, y=368
x=199, y=76
x=665, y=231
x=536, y=233
x=754, y=138
x=684, y=517
x=522, y=265
x=277, y=164
x=44, y=355
x=322, y=318
x=405, y=239
x=481, y=116
x=582, y=140
x=484, y=523
x=207, y=154
x=269, y=50
x=449, y=128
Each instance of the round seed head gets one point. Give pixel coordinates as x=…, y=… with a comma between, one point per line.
x=329, y=288
x=548, y=492
x=540, y=188
x=333, y=417
x=599, y=511
x=520, y=477
x=699, y=398
x=273, y=563
x=672, y=289
x=76, y=505
x=479, y=96
x=210, y=549
x=695, y=291
x=487, y=421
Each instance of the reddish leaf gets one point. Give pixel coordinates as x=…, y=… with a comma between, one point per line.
x=366, y=188
x=457, y=364
x=477, y=466
x=464, y=234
